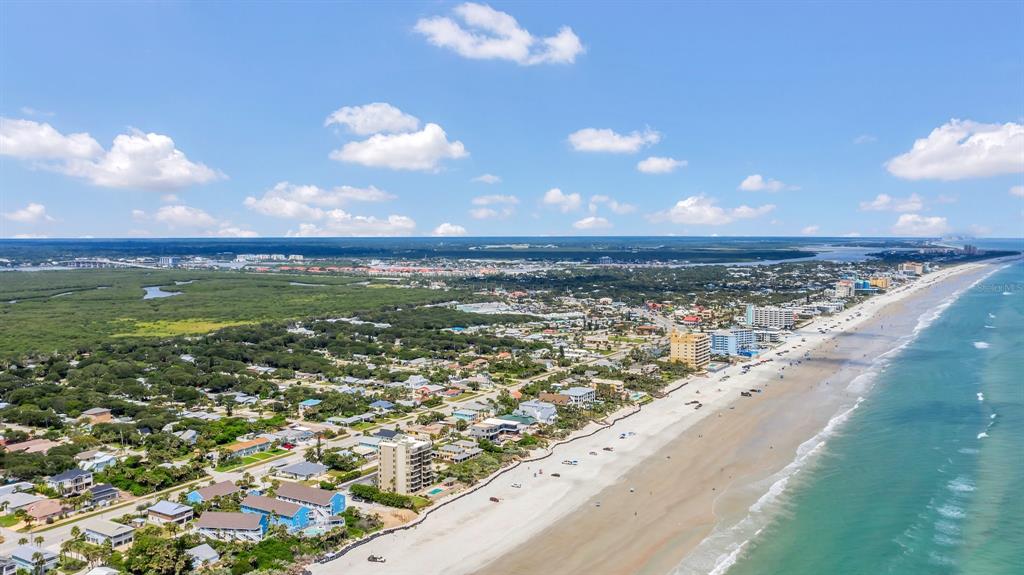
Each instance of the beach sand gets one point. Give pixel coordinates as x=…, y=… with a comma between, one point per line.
x=683, y=474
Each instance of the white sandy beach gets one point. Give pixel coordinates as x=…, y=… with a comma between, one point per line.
x=470, y=534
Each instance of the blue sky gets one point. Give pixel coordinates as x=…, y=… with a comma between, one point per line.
x=188, y=119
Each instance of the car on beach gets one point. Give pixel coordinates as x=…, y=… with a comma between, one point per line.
x=517, y=485
x=571, y=462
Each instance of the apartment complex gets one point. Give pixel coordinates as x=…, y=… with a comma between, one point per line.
x=770, y=317
x=734, y=341
x=691, y=349
x=405, y=465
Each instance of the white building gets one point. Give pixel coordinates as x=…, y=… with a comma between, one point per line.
x=770, y=316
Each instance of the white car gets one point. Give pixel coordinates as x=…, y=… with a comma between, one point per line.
x=517, y=485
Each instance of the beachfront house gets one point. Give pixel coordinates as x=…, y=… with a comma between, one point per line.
x=322, y=504
x=542, y=411
x=230, y=526
x=581, y=396
x=293, y=517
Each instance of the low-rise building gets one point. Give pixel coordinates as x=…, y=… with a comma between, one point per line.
x=293, y=517
x=210, y=492
x=322, y=503
x=71, y=482
x=303, y=470
x=103, y=494
x=203, y=556
x=581, y=396
x=247, y=448
x=97, y=415
x=101, y=531
x=165, y=511
x=34, y=559
x=229, y=526
x=542, y=411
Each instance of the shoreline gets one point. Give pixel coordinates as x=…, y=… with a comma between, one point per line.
x=528, y=530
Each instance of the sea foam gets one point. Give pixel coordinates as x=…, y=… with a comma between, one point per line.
x=981, y=344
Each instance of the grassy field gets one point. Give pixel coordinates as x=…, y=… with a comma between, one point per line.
x=61, y=310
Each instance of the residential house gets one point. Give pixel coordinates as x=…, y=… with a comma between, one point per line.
x=227, y=526
x=45, y=510
x=25, y=557
x=555, y=398
x=458, y=452
x=322, y=503
x=101, y=531
x=493, y=428
x=581, y=396
x=32, y=446
x=293, y=517
x=164, y=511
x=189, y=436
x=102, y=494
x=382, y=406
x=542, y=411
x=12, y=502
x=98, y=415
x=7, y=566
x=71, y=482
x=203, y=556
x=303, y=470
x=95, y=460
x=210, y=492
x=247, y=448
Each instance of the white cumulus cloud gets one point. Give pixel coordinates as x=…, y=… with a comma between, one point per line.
x=606, y=140
x=1017, y=191
x=918, y=225
x=182, y=216
x=480, y=32
x=810, y=230
x=614, y=205
x=487, y=179
x=592, y=223
x=758, y=183
x=660, y=165
x=33, y=213
x=702, y=210
x=287, y=200
x=422, y=150
x=448, y=229
x=135, y=160
x=963, y=149
x=40, y=141
x=564, y=202
x=887, y=203
x=338, y=222
x=378, y=117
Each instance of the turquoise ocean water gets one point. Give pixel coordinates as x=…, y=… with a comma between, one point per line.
x=927, y=475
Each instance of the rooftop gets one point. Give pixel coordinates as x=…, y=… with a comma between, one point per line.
x=261, y=503
x=305, y=494
x=229, y=520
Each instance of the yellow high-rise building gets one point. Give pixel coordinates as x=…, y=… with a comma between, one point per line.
x=691, y=349
x=879, y=282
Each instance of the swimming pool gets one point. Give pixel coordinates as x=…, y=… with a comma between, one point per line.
x=435, y=491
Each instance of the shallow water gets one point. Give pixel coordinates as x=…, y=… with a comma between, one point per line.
x=926, y=476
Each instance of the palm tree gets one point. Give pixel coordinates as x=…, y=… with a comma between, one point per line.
x=76, y=532
x=37, y=560
x=23, y=541
x=38, y=540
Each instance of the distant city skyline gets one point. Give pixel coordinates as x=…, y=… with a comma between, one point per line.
x=509, y=119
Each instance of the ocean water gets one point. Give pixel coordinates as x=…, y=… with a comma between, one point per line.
x=926, y=476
